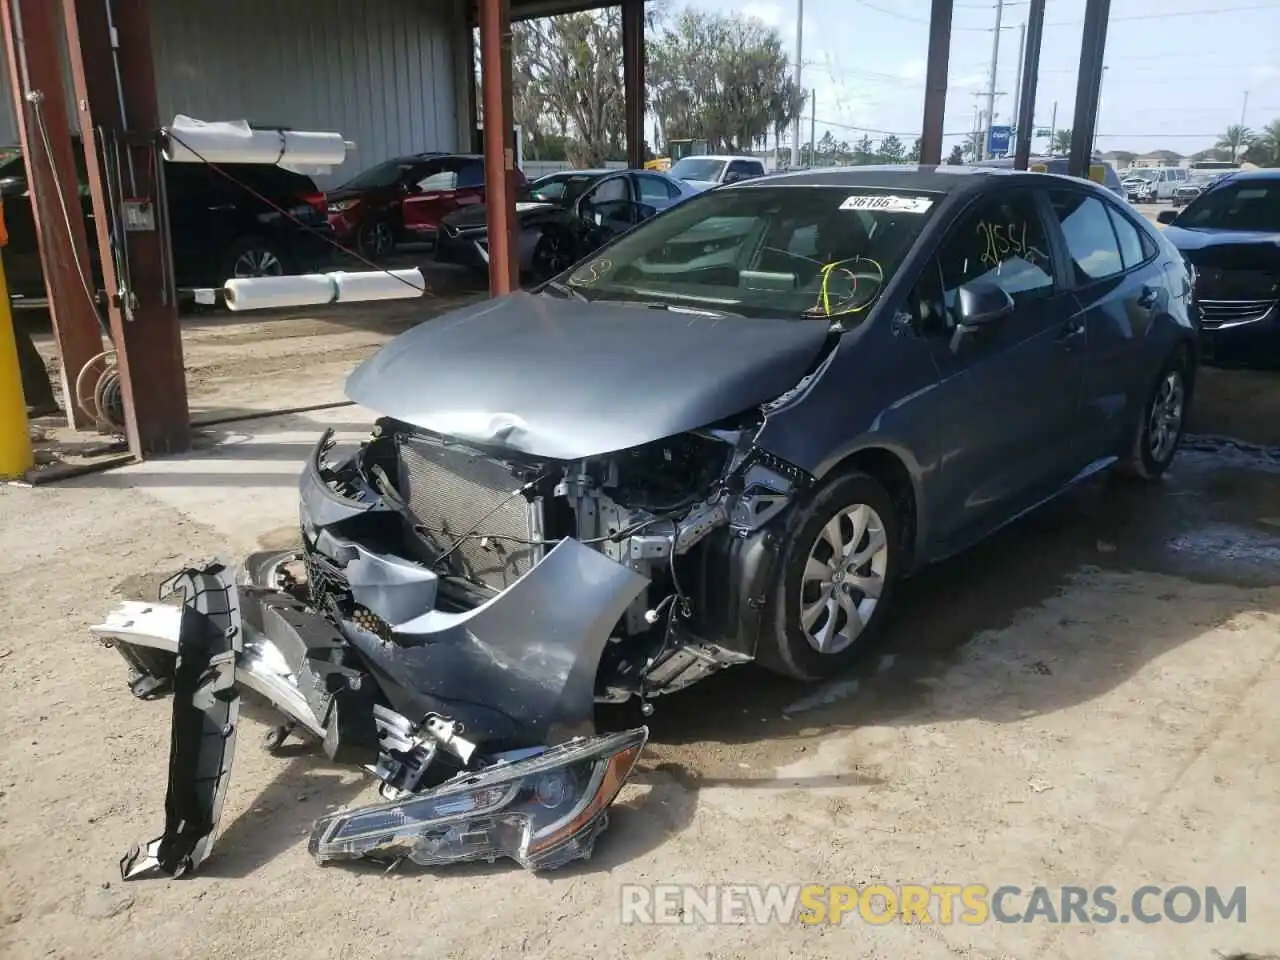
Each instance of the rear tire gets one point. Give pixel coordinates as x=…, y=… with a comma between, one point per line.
x=253, y=257
x=839, y=564
x=1164, y=415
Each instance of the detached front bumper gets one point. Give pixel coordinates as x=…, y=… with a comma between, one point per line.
x=528, y=656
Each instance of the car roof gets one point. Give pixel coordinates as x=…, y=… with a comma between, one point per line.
x=940, y=179
x=1263, y=173
x=722, y=156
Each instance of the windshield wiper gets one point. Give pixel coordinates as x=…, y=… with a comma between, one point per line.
x=566, y=291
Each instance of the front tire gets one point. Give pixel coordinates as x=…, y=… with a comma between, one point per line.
x=1159, y=433
x=839, y=564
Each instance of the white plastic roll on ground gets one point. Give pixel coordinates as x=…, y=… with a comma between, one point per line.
x=263, y=293
x=379, y=285
x=188, y=140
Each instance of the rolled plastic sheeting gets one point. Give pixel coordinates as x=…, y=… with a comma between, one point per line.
x=262, y=293
x=188, y=140
x=312, y=289
x=379, y=285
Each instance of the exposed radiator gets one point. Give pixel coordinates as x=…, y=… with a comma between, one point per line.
x=451, y=492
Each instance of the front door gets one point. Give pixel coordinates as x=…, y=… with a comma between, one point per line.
x=1009, y=397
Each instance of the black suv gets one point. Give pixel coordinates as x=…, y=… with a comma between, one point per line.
x=219, y=229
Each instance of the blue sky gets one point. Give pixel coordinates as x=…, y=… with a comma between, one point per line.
x=1177, y=70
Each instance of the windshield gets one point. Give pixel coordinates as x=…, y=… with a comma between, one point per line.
x=824, y=252
x=556, y=188
x=386, y=174
x=1236, y=206
x=697, y=168
x=1140, y=173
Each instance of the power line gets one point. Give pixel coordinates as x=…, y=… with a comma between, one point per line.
x=1174, y=13
x=911, y=19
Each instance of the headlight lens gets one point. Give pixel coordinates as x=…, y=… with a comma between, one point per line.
x=542, y=811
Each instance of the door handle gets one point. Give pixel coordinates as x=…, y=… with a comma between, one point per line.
x=1147, y=298
x=1071, y=334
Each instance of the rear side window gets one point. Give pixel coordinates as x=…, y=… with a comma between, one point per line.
x=655, y=188
x=471, y=175
x=1132, y=249
x=438, y=177
x=1091, y=241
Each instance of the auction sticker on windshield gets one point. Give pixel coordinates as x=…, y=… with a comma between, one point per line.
x=881, y=201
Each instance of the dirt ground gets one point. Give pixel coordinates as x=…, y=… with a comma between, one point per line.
x=1093, y=697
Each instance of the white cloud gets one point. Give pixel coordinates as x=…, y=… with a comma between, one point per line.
x=770, y=13
x=913, y=69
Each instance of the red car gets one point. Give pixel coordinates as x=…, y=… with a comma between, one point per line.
x=403, y=200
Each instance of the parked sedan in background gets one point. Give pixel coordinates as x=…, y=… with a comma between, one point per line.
x=219, y=229
x=563, y=217
x=1231, y=234
x=404, y=199
x=1193, y=186
x=704, y=172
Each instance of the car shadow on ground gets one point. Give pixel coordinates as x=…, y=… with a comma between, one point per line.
x=1212, y=520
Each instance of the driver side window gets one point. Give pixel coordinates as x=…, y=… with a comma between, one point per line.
x=1002, y=242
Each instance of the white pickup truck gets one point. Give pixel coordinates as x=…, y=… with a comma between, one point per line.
x=704, y=172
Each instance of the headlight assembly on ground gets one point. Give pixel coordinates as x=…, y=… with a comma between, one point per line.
x=541, y=811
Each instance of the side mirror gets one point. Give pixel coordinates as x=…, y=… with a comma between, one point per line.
x=982, y=305
x=1166, y=216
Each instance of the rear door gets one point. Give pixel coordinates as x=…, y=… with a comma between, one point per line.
x=1120, y=286
x=1009, y=397
x=431, y=196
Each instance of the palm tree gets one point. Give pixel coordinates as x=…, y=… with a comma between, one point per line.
x=1269, y=140
x=1060, y=142
x=1236, y=139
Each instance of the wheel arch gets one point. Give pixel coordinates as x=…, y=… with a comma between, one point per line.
x=899, y=473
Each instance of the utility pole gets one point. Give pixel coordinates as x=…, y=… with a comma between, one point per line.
x=991, y=88
x=813, y=127
x=1053, y=126
x=1017, y=89
x=1093, y=147
x=795, y=133
x=1244, y=108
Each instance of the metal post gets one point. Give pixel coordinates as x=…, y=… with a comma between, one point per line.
x=1244, y=108
x=1053, y=126
x=813, y=127
x=110, y=54
x=1027, y=91
x=16, y=457
x=795, y=127
x=935, y=93
x=991, y=88
x=33, y=45
x=633, y=79
x=499, y=163
x=1092, y=49
x=1017, y=86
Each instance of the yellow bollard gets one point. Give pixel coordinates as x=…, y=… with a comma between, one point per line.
x=16, y=457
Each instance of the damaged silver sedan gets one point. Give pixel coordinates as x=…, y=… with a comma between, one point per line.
x=722, y=439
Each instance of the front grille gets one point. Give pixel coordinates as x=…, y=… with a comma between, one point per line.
x=1229, y=313
x=453, y=493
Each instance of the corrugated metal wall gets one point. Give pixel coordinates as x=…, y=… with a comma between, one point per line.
x=382, y=72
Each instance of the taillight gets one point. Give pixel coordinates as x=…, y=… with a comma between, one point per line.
x=317, y=201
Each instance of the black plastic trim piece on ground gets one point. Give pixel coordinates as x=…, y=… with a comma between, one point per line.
x=206, y=707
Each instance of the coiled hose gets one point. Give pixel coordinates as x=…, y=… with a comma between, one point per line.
x=98, y=392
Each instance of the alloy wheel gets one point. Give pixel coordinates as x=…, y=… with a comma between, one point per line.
x=257, y=262
x=1166, y=417
x=843, y=579
x=377, y=240
x=551, y=256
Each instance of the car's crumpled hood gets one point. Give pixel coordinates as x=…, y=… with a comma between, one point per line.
x=562, y=379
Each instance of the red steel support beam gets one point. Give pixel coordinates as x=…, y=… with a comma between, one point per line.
x=633, y=78
x=499, y=155
x=144, y=315
x=32, y=35
x=935, y=82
